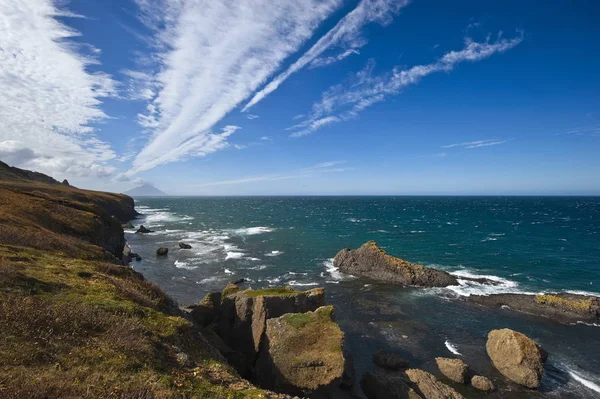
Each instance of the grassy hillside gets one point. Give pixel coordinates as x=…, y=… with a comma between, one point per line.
x=74, y=323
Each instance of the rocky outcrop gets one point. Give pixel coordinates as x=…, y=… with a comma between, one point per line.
x=144, y=230
x=128, y=225
x=162, y=251
x=244, y=313
x=371, y=261
x=381, y=386
x=389, y=361
x=207, y=311
x=183, y=245
x=482, y=383
x=453, y=369
x=516, y=356
x=302, y=354
x=561, y=307
x=430, y=387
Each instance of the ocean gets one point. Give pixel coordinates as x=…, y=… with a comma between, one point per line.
x=527, y=244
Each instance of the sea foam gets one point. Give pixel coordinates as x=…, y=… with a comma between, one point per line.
x=452, y=348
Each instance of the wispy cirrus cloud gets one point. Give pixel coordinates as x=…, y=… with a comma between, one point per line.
x=51, y=93
x=209, y=56
x=346, y=34
x=588, y=131
x=323, y=167
x=476, y=144
x=342, y=102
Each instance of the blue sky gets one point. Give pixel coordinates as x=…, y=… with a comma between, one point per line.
x=315, y=97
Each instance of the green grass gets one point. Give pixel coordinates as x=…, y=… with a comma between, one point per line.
x=279, y=291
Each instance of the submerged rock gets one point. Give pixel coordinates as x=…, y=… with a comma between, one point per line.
x=302, y=354
x=561, y=307
x=162, y=251
x=380, y=386
x=371, y=261
x=208, y=309
x=389, y=361
x=183, y=245
x=482, y=383
x=143, y=230
x=454, y=369
x=516, y=356
x=430, y=387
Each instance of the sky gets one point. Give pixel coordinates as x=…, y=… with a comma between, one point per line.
x=312, y=97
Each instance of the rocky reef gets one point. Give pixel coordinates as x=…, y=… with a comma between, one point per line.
x=373, y=262
x=561, y=307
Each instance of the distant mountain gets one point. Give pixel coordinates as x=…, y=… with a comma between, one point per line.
x=145, y=190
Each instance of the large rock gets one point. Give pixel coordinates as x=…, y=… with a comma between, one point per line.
x=482, y=383
x=244, y=313
x=162, y=251
x=389, y=361
x=207, y=311
x=430, y=387
x=562, y=307
x=516, y=356
x=380, y=386
x=454, y=369
x=302, y=354
x=371, y=261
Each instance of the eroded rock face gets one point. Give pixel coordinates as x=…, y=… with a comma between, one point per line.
x=389, y=361
x=430, y=387
x=302, y=353
x=380, y=386
x=371, y=261
x=516, y=356
x=482, y=383
x=454, y=369
x=244, y=313
x=207, y=311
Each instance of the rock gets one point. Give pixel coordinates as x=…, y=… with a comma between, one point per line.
x=143, y=230
x=162, y=251
x=244, y=313
x=482, y=383
x=183, y=245
x=430, y=387
x=208, y=309
x=389, y=361
x=516, y=356
x=135, y=256
x=302, y=354
x=454, y=369
x=380, y=386
x=371, y=261
x=65, y=182
x=239, y=281
x=128, y=225
x=562, y=307
x=234, y=358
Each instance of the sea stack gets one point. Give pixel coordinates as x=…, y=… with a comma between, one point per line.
x=373, y=262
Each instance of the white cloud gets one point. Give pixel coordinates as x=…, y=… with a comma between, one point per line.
x=323, y=61
x=324, y=165
x=252, y=116
x=266, y=138
x=347, y=33
x=476, y=144
x=345, y=101
x=50, y=96
x=590, y=132
x=211, y=56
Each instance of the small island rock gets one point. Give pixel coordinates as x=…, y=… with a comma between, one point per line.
x=183, y=245
x=454, y=369
x=516, y=356
x=162, y=251
x=143, y=230
x=482, y=383
x=371, y=261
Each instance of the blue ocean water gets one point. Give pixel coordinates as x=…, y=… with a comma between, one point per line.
x=527, y=244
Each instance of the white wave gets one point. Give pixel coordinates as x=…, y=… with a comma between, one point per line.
x=274, y=253
x=452, y=348
x=254, y=259
x=332, y=282
x=227, y=271
x=234, y=255
x=260, y=267
x=489, y=239
x=416, y=231
x=582, y=378
x=296, y=283
x=333, y=271
x=184, y=265
x=354, y=220
x=208, y=280
x=468, y=287
x=250, y=231
x=588, y=324
x=297, y=274
x=578, y=292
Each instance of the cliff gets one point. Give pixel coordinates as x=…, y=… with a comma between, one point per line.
x=77, y=324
